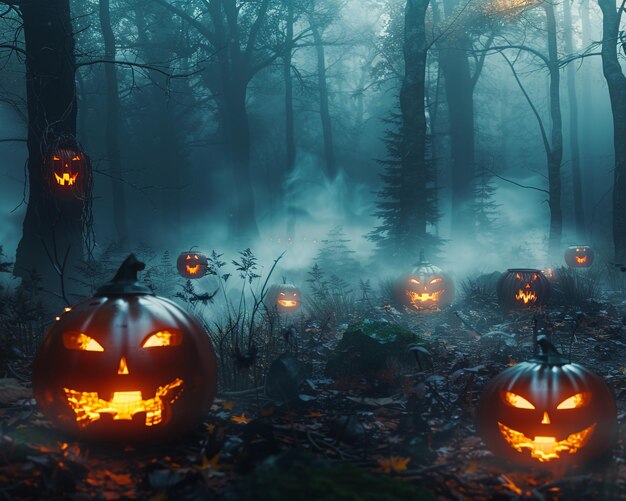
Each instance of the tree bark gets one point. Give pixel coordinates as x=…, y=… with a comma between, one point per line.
x=555, y=157
x=413, y=217
x=577, y=189
x=53, y=224
x=327, y=131
x=459, y=88
x=112, y=125
x=616, y=82
x=290, y=141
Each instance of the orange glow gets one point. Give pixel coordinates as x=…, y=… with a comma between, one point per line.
x=575, y=401
x=526, y=296
x=421, y=297
x=546, y=418
x=581, y=260
x=80, y=341
x=123, y=368
x=162, y=338
x=545, y=448
x=66, y=178
x=88, y=407
x=287, y=303
x=517, y=401
x=192, y=270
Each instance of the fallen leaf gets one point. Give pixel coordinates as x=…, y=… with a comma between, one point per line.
x=395, y=464
x=229, y=405
x=240, y=419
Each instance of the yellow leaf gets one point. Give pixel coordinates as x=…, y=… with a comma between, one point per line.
x=229, y=405
x=210, y=428
x=240, y=419
x=394, y=464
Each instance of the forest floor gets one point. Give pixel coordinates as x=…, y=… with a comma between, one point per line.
x=414, y=439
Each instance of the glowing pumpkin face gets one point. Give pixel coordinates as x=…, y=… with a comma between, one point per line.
x=426, y=287
x=286, y=298
x=66, y=167
x=192, y=264
x=523, y=288
x=547, y=411
x=125, y=365
x=579, y=256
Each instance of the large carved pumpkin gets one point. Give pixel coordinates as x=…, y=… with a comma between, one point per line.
x=286, y=298
x=125, y=365
x=520, y=288
x=426, y=287
x=192, y=264
x=579, y=256
x=547, y=410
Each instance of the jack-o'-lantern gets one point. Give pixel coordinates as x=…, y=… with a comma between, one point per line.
x=67, y=166
x=125, y=365
x=523, y=288
x=426, y=287
x=547, y=411
x=192, y=264
x=579, y=256
x=285, y=297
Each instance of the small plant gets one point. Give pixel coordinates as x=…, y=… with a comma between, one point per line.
x=575, y=287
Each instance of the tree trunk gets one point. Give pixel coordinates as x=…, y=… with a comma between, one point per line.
x=290, y=141
x=53, y=221
x=112, y=125
x=460, y=97
x=329, y=150
x=413, y=217
x=579, y=213
x=556, y=155
x=616, y=82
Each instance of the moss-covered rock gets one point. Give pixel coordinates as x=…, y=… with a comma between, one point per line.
x=376, y=351
x=298, y=475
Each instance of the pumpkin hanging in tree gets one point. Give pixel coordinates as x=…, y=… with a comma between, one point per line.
x=520, y=288
x=426, y=287
x=579, y=256
x=67, y=167
x=547, y=411
x=192, y=264
x=125, y=365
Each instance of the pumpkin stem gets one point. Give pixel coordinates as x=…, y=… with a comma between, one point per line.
x=125, y=281
x=128, y=270
x=422, y=258
x=547, y=348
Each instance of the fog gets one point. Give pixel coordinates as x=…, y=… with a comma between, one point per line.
x=181, y=188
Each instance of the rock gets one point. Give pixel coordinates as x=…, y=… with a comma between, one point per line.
x=376, y=351
x=347, y=429
x=284, y=378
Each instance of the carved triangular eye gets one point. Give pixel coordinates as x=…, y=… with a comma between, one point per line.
x=75, y=158
x=80, y=341
x=435, y=280
x=575, y=401
x=162, y=338
x=416, y=282
x=517, y=401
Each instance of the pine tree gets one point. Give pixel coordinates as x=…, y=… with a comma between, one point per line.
x=404, y=200
x=485, y=208
x=335, y=257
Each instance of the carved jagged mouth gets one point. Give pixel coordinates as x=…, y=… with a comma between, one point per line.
x=422, y=297
x=123, y=405
x=192, y=270
x=287, y=303
x=526, y=296
x=546, y=448
x=581, y=260
x=66, y=178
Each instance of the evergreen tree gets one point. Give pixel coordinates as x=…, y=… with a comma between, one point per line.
x=335, y=257
x=485, y=208
x=405, y=199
